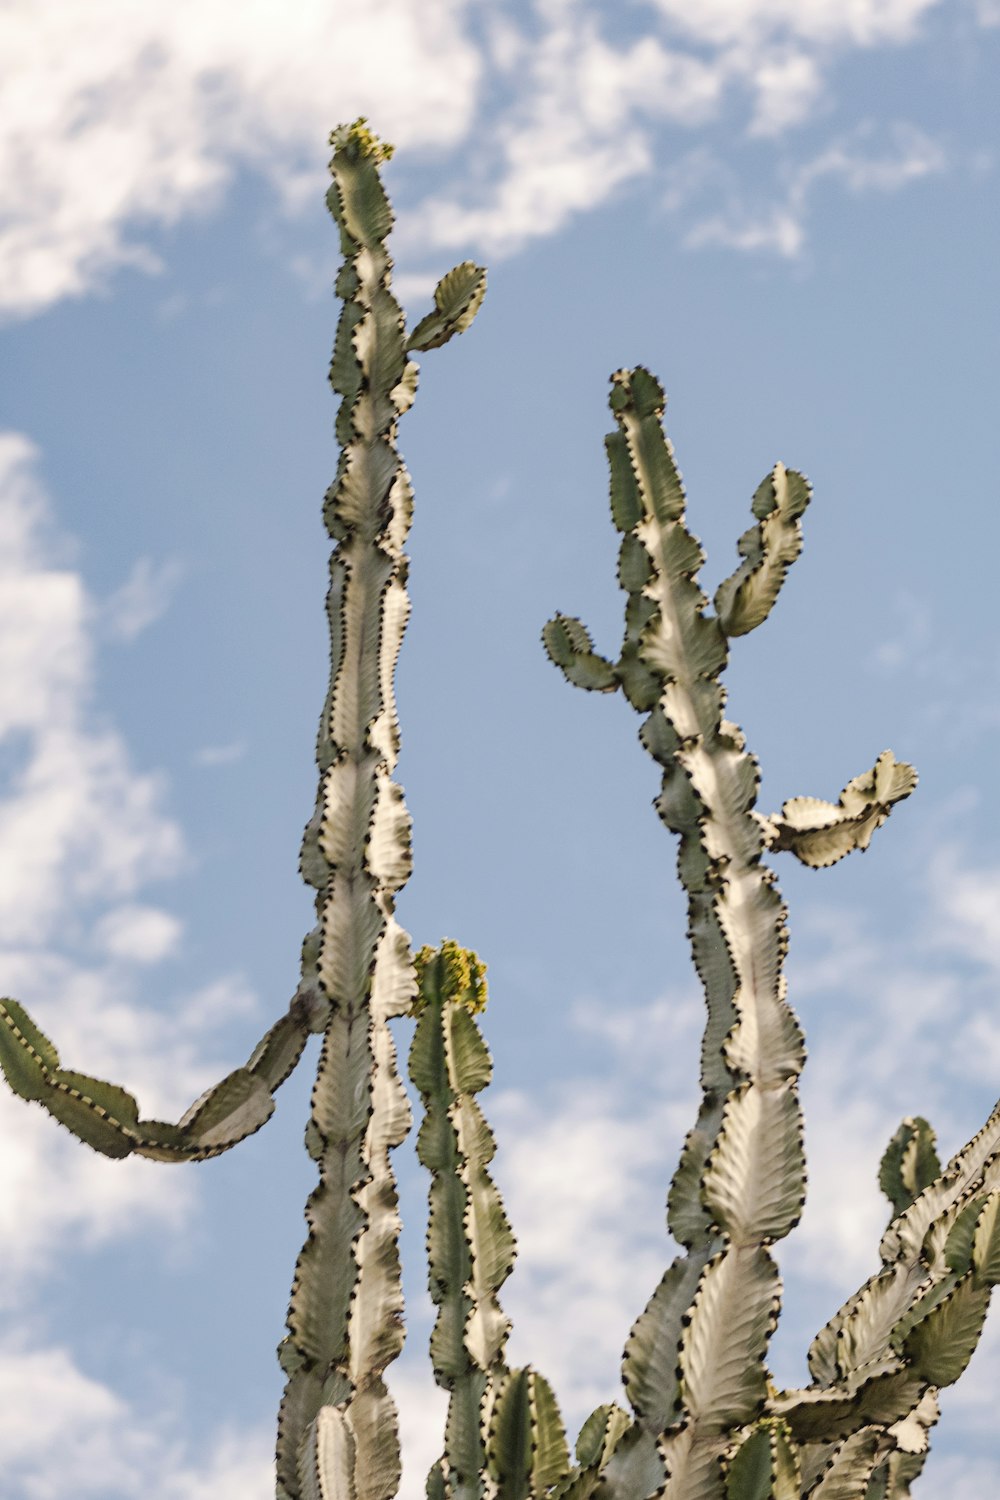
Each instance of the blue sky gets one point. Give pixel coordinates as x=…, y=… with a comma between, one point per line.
x=787, y=209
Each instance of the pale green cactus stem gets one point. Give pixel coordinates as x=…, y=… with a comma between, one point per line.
x=504, y=1436
x=470, y=1247
x=694, y=1366
x=338, y=1431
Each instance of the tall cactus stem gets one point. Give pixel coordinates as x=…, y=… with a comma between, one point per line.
x=345, y=1319
x=694, y=1366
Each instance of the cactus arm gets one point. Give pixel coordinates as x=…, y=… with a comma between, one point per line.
x=345, y=1316
x=841, y=1471
x=746, y=598
x=106, y=1117
x=470, y=1247
x=457, y=298
x=821, y=833
x=909, y=1164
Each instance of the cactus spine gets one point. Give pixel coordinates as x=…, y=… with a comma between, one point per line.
x=707, y=1422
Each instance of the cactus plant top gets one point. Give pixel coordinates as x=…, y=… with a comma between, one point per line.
x=701, y=1418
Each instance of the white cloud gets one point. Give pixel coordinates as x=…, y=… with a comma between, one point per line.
x=77, y=823
x=857, y=163
x=422, y=1408
x=858, y=23
x=139, y=934
x=121, y=115
x=142, y=599
x=120, y=118
x=576, y=135
x=61, y=1431
x=787, y=86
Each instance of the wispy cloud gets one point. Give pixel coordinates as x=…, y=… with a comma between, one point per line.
x=78, y=823
x=142, y=599
x=220, y=755
x=140, y=115
x=858, y=164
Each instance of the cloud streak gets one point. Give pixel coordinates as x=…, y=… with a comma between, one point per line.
x=122, y=120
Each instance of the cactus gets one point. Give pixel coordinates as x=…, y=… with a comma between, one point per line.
x=706, y=1421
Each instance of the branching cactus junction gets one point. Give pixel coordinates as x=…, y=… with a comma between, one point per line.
x=706, y=1422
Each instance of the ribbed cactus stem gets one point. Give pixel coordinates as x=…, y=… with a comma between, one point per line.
x=470, y=1246
x=740, y=1183
x=345, y=1320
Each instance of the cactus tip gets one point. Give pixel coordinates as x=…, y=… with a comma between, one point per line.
x=362, y=138
x=455, y=973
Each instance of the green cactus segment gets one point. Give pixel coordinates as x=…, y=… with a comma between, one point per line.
x=651, y=1365
x=939, y=1346
x=821, y=833
x=599, y=1436
x=910, y=1163
x=745, y=599
x=345, y=1319
x=470, y=1246
x=846, y=1468
x=894, y=1478
x=732, y=1317
x=975, y=1168
x=457, y=298
x=570, y=648
x=526, y=1450
x=766, y=1465
x=106, y=1117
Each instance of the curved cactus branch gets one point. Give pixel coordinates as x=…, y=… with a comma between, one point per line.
x=106, y=1117
x=345, y=1317
x=745, y=599
x=821, y=833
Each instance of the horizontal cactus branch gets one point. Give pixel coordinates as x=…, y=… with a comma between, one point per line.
x=106, y=1117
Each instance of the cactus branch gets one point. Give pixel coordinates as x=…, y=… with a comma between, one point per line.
x=106, y=1117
